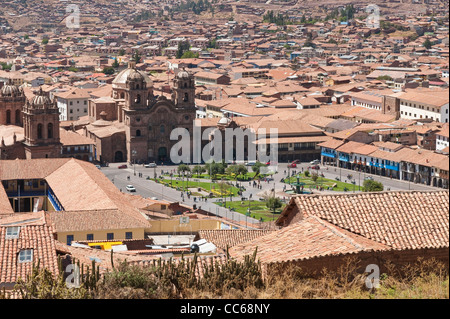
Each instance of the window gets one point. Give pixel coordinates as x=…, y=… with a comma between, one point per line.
x=71, y=111
x=85, y=102
x=110, y=236
x=162, y=129
x=50, y=130
x=71, y=103
x=138, y=132
x=39, y=131
x=90, y=237
x=12, y=232
x=85, y=110
x=25, y=255
x=69, y=239
x=128, y=235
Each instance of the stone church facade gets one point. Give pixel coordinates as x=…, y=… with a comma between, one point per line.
x=147, y=120
x=28, y=128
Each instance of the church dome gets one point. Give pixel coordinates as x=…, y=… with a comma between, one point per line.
x=132, y=74
x=41, y=98
x=10, y=89
x=183, y=74
x=224, y=121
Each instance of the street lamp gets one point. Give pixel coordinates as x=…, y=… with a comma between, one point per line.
x=133, y=155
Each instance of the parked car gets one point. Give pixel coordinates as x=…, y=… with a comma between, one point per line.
x=315, y=162
x=315, y=167
x=131, y=188
x=369, y=178
x=292, y=165
x=123, y=166
x=151, y=165
x=250, y=164
x=98, y=166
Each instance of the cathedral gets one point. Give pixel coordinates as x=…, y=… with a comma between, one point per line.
x=134, y=124
x=131, y=125
x=28, y=128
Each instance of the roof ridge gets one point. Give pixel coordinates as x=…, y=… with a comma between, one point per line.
x=335, y=229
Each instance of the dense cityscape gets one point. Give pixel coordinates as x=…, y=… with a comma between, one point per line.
x=135, y=142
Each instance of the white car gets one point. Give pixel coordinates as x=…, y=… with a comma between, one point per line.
x=315, y=162
x=131, y=188
x=151, y=165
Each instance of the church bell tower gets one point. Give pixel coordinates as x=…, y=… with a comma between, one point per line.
x=41, y=127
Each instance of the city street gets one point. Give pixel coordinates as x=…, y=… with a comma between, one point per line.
x=149, y=189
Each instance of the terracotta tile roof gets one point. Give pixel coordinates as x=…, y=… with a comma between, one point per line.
x=69, y=138
x=311, y=237
x=88, y=189
x=33, y=169
x=399, y=219
x=230, y=237
x=5, y=206
x=38, y=237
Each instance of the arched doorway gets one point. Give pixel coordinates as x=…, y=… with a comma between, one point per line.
x=118, y=156
x=18, y=119
x=162, y=154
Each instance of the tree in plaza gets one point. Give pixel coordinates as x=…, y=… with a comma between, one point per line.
x=372, y=186
x=183, y=168
x=232, y=170
x=198, y=170
x=242, y=170
x=213, y=169
x=257, y=168
x=273, y=203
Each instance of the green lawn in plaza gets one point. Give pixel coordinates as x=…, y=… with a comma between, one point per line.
x=218, y=189
x=258, y=209
x=327, y=184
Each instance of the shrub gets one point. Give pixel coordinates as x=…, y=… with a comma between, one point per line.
x=372, y=186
